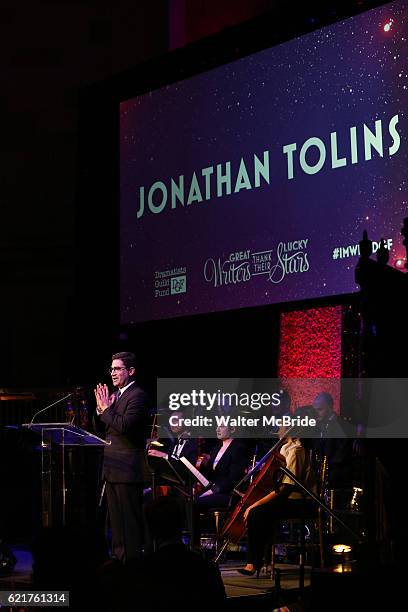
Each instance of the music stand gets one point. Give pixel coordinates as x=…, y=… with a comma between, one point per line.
x=163, y=472
x=60, y=435
x=166, y=471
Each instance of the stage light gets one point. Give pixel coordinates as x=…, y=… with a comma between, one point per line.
x=399, y=263
x=341, y=549
x=388, y=25
x=342, y=557
x=342, y=568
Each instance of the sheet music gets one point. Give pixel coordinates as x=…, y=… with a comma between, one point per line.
x=195, y=472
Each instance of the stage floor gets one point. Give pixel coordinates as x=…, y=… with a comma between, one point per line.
x=236, y=585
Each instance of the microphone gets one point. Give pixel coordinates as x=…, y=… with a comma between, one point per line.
x=50, y=406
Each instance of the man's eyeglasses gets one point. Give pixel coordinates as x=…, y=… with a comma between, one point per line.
x=116, y=369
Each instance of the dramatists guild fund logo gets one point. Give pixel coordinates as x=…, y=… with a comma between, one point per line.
x=170, y=282
x=275, y=264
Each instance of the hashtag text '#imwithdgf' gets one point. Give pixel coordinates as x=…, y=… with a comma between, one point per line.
x=353, y=250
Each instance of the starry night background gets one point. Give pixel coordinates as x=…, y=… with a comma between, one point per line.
x=348, y=74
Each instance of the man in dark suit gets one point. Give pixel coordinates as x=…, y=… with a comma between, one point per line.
x=124, y=415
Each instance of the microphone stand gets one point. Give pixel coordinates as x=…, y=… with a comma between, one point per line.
x=50, y=406
x=318, y=501
x=253, y=461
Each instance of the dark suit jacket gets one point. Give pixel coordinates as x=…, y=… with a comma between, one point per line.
x=125, y=427
x=230, y=468
x=338, y=449
x=190, y=449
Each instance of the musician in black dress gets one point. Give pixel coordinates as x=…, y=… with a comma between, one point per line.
x=225, y=468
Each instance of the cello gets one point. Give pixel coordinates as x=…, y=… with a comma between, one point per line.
x=268, y=474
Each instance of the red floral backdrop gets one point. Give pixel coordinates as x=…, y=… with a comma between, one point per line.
x=310, y=347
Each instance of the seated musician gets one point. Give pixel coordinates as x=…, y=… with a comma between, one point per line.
x=284, y=502
x=179, y=444
x=335, y=442
x=224, y=469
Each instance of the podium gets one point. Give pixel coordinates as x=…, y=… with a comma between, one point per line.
x=58, y=440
